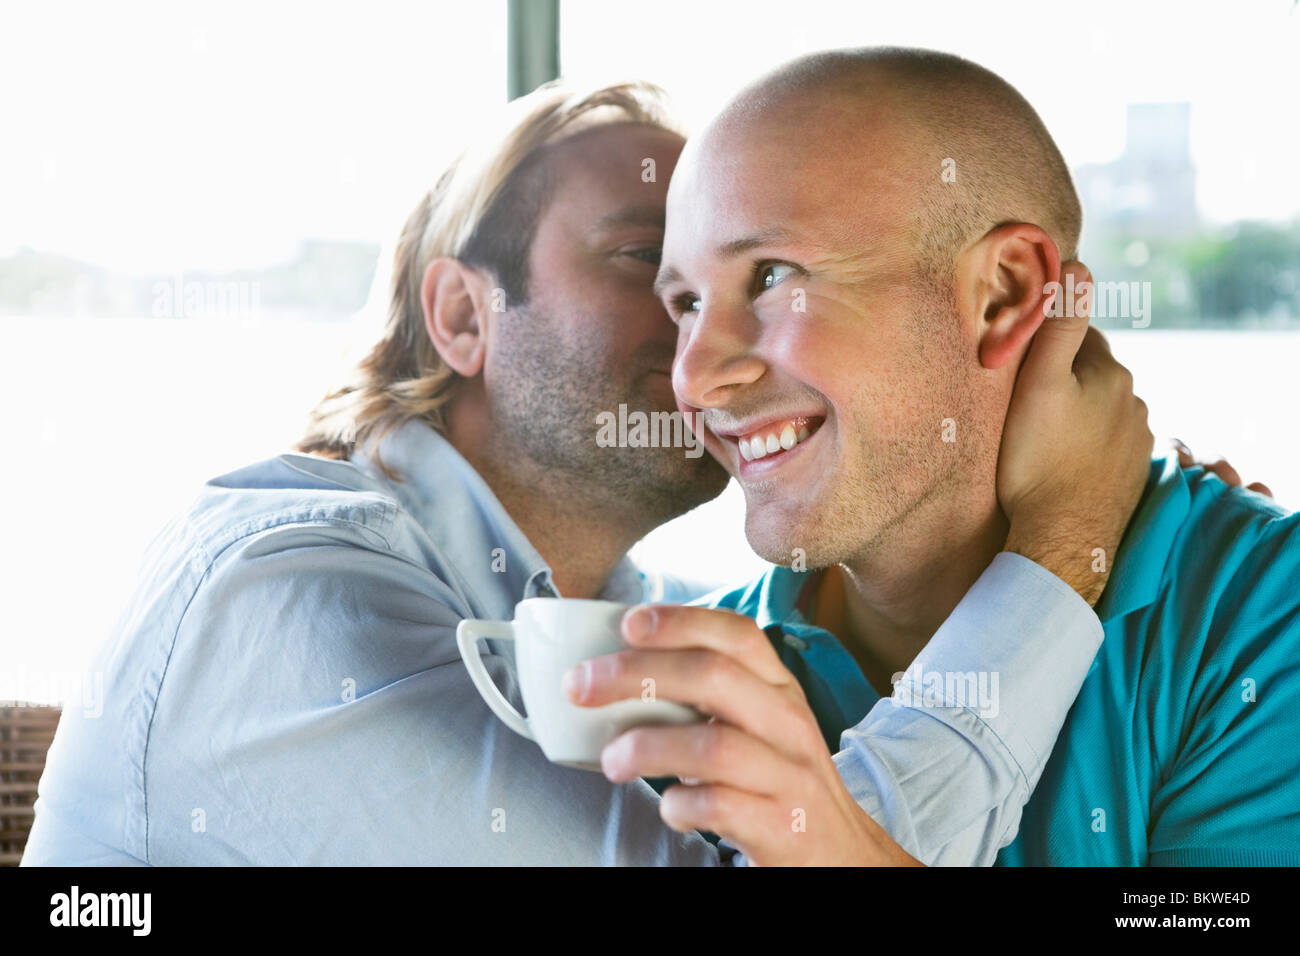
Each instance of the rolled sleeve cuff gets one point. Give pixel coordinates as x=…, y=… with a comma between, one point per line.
x=1014, y=652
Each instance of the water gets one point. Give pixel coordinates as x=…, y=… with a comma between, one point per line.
x=113, y=424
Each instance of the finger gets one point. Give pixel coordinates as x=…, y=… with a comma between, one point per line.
x=1082, y=275
x=1260, y=487
x=706, y=680
x=1056, y=343
x=1094, y=353
x=757, y=826
x=664, y=626
x=1185, y=457
x=770, y=831
x=1225, y=471
x=1095, y=363
x=699, y=753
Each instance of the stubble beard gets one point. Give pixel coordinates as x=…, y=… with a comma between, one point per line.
x=880, y=495
x=545, y=412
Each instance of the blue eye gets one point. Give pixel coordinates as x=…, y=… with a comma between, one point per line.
x=772, y=274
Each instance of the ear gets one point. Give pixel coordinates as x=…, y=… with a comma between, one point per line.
x=1005, y=280
x=454, y=297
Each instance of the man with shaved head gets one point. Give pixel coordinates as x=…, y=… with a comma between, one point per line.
x=306, y=606
x=861, y=251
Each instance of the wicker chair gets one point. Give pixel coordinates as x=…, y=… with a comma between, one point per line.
x=25, y=736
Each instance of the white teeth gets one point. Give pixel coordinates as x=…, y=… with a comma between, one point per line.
x=760, y=446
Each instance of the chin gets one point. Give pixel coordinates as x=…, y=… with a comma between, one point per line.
x=669, y=484
x=775, y=540
x=825, y=537
x=701, y=481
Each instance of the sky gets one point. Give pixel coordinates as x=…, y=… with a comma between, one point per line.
x=188, y=135
x=1238, y=64
x=152, y=137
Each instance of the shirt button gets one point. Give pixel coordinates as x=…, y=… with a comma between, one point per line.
x=797, y=643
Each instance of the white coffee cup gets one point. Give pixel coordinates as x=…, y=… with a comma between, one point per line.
x=551, y=635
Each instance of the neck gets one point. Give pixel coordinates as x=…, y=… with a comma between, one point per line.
x=580, y=536
x=907, y=583
x=580, y=541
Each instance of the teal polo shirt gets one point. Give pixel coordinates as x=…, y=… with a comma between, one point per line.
x=1183, y=746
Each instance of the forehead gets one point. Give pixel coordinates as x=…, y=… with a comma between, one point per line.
x=829, y=178
x=609, y=166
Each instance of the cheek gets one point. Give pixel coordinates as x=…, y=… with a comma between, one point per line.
x=577, y=312
x=622, y=293
x=832, y=360
x=882, y=401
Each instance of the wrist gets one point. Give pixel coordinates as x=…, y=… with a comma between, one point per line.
x=1079, y=557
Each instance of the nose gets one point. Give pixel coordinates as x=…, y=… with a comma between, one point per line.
x=715, y=355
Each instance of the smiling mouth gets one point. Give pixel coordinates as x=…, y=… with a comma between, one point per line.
x=776, y=437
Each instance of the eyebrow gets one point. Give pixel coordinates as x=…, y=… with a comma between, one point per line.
x=727, y=250
x=651, y=216
x=665, y=278
x=736, y=247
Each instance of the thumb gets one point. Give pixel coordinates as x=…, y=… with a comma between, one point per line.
x=1065, y=323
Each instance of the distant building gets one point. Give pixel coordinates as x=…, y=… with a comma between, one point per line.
x=1150, y=190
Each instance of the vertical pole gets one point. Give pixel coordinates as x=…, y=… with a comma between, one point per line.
x=533, y=44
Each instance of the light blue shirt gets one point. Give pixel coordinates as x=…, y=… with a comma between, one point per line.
x=284, y=688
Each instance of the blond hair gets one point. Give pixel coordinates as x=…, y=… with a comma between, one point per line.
x=483, y=211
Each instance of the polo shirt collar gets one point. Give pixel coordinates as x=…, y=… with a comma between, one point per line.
x=777, y=596
x=1139, y=566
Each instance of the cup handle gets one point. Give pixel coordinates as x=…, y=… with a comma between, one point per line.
x=468, y=632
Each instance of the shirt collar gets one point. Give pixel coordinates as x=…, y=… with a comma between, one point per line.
x=774, y=597
x=1139, y=565
x=468, y=524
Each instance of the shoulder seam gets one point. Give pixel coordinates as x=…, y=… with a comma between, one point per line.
x=240, y=533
